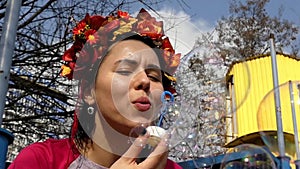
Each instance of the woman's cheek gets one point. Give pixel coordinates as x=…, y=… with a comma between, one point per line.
x=156, y=97
x=120, y=91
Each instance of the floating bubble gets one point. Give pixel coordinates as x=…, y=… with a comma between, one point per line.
x=205, y=77
x=181, y=128
x=183, y=150
x=135, y=132
x=206, y=73
x=247, y=156
x=207, y=96
x=205, y=162
x=289, y=97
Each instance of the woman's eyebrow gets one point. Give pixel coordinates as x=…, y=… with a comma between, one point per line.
x=153, y=66
x=126, y=61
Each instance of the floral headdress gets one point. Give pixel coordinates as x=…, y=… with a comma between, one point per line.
x=94, y=34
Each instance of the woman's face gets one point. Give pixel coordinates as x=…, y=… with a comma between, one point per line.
x=128, y=86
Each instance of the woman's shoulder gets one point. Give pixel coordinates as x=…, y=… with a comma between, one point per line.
x=49, y=146
x=53, y=153
x=52, y=144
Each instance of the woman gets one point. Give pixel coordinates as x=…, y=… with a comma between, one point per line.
x=123, y=64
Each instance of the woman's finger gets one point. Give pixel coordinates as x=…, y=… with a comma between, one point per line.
x=158, y=157
x=137, y=146
x=162, y=146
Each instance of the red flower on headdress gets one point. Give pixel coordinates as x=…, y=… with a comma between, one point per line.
x=123, y=14
x=87, y=56
x=112, y=25
x=148, y=26
x=91, y=36
x=69, y=55
x=89, y=23
x=79, y=29
x=95, y=22
x=172, y=60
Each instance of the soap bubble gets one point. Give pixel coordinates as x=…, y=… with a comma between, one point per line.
x=204, y=88
x=205, y=162
x=266, y=116
x=137, y=131
x=181, y=128
x=205, y=74
x=184, y=151
x=247, y=156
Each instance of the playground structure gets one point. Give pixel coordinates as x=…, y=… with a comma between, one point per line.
x=254, y=120
x=256, y=113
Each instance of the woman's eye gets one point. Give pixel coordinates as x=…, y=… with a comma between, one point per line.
x=154, y=75
x=124, y=72
x=154, y=78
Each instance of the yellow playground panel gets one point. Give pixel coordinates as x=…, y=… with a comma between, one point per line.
x=251, y=105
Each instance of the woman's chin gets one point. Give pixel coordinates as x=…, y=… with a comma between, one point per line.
x=141, y=122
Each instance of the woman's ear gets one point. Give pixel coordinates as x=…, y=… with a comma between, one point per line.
x=89, y=96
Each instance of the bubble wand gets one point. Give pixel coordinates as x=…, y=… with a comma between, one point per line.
x=166, y=101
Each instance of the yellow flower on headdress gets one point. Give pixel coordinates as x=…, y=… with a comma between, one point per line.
x=66, y=70
x=171, y=78
x=124, y=27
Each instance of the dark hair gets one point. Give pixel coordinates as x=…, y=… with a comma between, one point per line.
x=86, y=124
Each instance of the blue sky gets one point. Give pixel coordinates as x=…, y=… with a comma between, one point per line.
x=212, y=10
x=188, y=21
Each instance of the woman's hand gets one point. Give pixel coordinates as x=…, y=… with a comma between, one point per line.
x=156, y=160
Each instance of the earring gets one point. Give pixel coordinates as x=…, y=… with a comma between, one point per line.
x=91, y=110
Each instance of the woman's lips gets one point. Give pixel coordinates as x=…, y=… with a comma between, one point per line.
x=142, y=104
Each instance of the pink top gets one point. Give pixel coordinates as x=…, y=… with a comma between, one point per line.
x=54, y=154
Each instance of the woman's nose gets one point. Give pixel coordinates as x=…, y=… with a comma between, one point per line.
x=142, y=81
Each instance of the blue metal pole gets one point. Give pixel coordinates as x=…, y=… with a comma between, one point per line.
x=294, y=117
x=7, y=45
x=297, y=161
x=280, y=136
